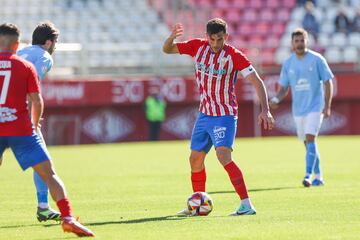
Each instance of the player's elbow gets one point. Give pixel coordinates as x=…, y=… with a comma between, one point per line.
x=166, y=49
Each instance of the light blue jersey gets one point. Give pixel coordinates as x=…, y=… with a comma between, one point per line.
x=41, y=59
x=43, y=62
x=305, y=77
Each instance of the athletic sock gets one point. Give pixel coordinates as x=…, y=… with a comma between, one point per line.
x=246, y=202
x=317, y=169
x=42, y=191
x=237, y=179
x=310, y=157
x=43, y=206
x=64, y=207
x=318, y=176
x=198, y=180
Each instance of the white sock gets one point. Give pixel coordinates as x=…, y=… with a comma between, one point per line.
x=68, y=218
x=43, y=205
x=318, y=176
x=246, y=202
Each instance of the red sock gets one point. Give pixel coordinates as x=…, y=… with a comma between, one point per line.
x=198, y=180
x=237, y=179
x=64, y=207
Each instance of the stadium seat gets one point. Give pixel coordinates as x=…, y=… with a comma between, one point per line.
x=339, y=39
x=262, y=28
x=351, y=54
x=333, y=55
x=249, y=15
x=239, y=4
x=272, y=41
x=282, y=15
x=324, y=40
x=273, y=4
x=223, y=4
x=277, y=28
x=256, y=4
x=233, y=16
x=266, y=15
x=281, y=54
x=354, y=39
x=298, y=14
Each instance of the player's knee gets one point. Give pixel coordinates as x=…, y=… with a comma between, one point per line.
x=45, y=170
x=196, y=159
x=309, y=138
x=224, y=155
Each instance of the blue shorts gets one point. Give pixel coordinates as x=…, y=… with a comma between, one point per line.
x=28, y=150
x=210, y=130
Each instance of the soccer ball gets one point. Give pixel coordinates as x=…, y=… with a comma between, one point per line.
x=200, y=204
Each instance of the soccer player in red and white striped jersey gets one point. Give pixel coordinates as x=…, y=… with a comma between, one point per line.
x=216, y=68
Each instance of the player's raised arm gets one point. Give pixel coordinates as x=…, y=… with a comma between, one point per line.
x=169, y=45
x=37, y=107
x=265, y=116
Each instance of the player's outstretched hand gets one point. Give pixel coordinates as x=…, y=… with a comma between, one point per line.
x=177, y=31
x=266, y=119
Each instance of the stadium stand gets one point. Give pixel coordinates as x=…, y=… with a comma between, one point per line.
x=116, y=37
x=125, y=37
x=254, y=26
x=338, y=47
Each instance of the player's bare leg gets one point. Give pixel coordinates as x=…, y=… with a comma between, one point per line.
x=57, y=190
x=224, y=156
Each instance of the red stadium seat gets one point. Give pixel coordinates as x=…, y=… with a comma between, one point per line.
x=283, y=15
x=245, y=29
x=272, y=41
x=277, y=28
x=266, y=15
x=217, y=13
x=273, y=4
x=239, y=4
x=256, y=41
x=249, y=15
x=262, y=28
x=267, y=56
x=223, y=4
x=233, y=16
x=257, y=4
x=288, y=3
x=204, y=3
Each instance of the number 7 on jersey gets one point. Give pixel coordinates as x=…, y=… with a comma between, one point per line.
x=5, y=86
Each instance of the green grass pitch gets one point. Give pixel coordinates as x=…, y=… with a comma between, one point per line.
x=133, y=190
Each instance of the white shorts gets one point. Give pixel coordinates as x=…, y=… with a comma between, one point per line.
x=308, y=124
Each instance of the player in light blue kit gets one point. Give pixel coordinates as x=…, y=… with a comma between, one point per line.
x=44, y=40
x=307, y=74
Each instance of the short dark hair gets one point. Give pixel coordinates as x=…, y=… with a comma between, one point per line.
x=299, y=32
x=9, y=29
x=43, y=32
x=216, y=25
